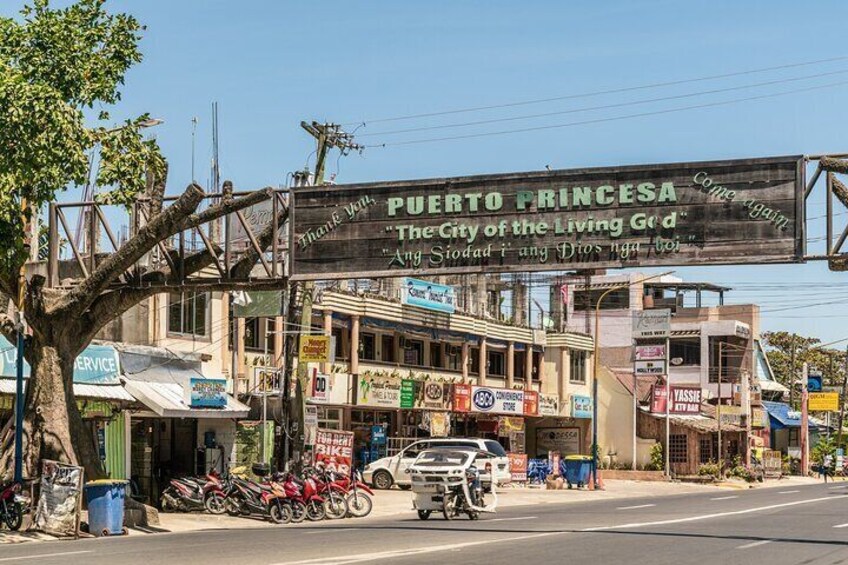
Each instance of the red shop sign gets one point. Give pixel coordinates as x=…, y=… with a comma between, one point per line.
x=461, y=398
x=531, y=403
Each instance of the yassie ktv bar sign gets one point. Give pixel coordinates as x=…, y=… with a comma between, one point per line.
x=718, y=212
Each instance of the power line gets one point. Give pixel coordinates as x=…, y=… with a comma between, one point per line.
x=612, y=119
x=606, y=106
x=600, y=92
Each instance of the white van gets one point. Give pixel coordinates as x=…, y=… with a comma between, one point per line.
x=388, y=471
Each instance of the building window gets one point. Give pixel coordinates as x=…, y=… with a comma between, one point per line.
x=687, y=350
x=453, y=357
x=436, y=355
x=615, y=300
x=251, y=334
x=496, y=363
x=474, y=355
x=678, y=448
x=337, y=336
x=705, y=448
x=388, y=344
x=413, y=353
x=366, y=347
x=187, y=313
x=329, y=418
x=577, y=366
x=520, y=367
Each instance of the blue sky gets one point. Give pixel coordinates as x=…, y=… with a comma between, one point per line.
x=272, y=64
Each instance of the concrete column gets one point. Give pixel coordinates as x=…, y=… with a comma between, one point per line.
x=354, y=344
x=562, y=383
x=541, y=370
x=510, y=364
x=278, y=341
x=464, y=362
x=528, y=365
x=484, y=355
x=328, y=330
x=240, y=360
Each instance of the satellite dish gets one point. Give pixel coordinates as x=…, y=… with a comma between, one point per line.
x=677, y=361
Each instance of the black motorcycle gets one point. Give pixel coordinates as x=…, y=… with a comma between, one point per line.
x=247, y=498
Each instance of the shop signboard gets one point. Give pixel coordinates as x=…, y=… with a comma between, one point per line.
x=492, y=400
x=684, y=400
x=531, y=403
x=461, y=398
x=206, y=393
x=97, y=364
x=425, y=395
x=564, y=440
x=814, y=382
x=823, y=402
x=716, y=212
x=439, y=424
x=266, y=379
x=509, y=424
x=649, y=368
x=581, y=406
x=548, y=405
x=759, y=417
x=334, y=450
x=329, y=388
x=383, y=392
x=649, y=352
x=517, y=467
x=310, y=425
x=314, y=349
x=732, y=415
x=429, y=295
x=649, y=324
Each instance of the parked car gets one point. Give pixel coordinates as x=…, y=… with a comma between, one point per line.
x=388, y=471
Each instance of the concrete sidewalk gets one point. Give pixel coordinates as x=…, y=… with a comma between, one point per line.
x=398, y=502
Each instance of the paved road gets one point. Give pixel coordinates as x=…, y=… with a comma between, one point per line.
x=776, y=526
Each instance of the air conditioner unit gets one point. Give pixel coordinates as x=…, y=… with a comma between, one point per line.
x=402, y=342
x=453, y=350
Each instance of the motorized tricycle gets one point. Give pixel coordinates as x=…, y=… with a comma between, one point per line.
x=448, y=481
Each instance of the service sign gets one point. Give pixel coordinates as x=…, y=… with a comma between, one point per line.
x=497, y=400
x=334, y=450
x=651, y=323
x=715, y=212
x=649, y=352
x=206, y=393
x=314, y=349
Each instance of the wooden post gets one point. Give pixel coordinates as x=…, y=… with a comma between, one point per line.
x=528, y=365
x=484, y=357
x=328, y=331
x=354, y=344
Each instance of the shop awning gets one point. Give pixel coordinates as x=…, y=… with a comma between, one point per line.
x=159, y=378
x=780, y=417
x=114, y=392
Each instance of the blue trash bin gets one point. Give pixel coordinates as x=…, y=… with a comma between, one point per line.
x=106, y=507
x=577, y=470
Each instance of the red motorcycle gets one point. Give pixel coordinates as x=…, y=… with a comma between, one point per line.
x=265, y=500
x=13, y=505
x=304, y=497
x=357, y=494
x=193, y=494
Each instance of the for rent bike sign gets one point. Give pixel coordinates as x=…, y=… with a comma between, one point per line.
x=334, y=450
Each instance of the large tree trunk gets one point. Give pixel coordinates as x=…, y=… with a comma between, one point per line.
x=53, y=426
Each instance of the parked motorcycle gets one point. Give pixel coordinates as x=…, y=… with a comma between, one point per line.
x=194, y=495
x=357, y=493
x=13, y=505
x=334, y=495
x=264, y=500
x=305, y=498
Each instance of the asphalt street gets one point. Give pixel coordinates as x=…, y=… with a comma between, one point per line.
x=797, y=525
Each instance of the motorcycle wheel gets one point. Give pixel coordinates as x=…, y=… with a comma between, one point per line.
x=315, y=512
x=232, y=506
x=424, y=514
x=215, y=503
x=14, y=516
x=298, y=512
x=472, y=515
x=359, y=504
x=449, y=506
x=166, y=501
x=335, y=507
x=280, y=513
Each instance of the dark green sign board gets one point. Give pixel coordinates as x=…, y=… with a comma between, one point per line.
x=716, y=212
x=407, y=393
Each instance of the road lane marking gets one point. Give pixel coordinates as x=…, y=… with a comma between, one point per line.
x=788, y=491
x=843, y=487
x=635, y=507
x=512, y=519
x=841, y=526
x=345, y=559
x=724, y=497
x=710, y=516
x=331, y=530
x=755, y=544
x=40, y=555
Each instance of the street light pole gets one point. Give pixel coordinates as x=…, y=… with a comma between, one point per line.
x=596, y=369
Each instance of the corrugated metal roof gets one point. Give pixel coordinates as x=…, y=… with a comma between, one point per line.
x=166, y=400
x=102, y=392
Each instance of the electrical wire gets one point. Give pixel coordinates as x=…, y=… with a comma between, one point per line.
x=611, y=119
x=600, y=92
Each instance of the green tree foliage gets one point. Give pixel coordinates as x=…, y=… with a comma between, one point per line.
x=56, y=65
x=830, y=362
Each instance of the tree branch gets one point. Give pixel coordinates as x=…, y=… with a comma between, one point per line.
x=243, y=267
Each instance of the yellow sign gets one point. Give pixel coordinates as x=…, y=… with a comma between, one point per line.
x=314, y=349
x=823, y=402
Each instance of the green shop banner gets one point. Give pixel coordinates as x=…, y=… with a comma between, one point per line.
x=425, y=395
x=98, y=364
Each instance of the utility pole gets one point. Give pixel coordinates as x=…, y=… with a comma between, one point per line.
x=792, y=375
x=328, y=136
x=805, y=426
x=718, y=413
x=842, y=399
